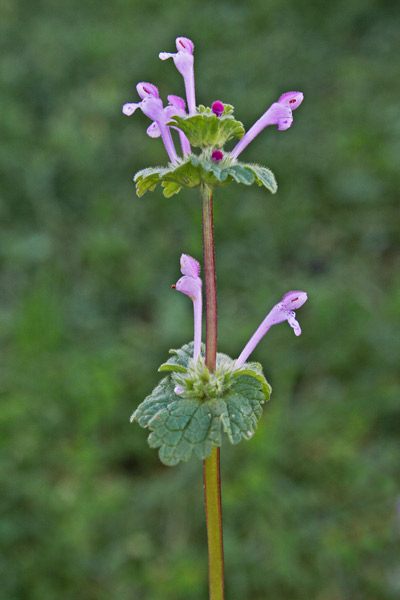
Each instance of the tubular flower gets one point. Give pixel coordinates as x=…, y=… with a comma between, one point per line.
x=152, y=106
x=175, y=107
x=279, y=113
x=191, y=285
x=283, y=311
x=184, y=60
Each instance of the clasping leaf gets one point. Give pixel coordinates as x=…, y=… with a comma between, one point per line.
x=190, y=423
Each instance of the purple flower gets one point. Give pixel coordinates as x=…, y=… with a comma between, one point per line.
x=191, y=284
x=280, y=113
x=183, y=60
x=189, y=266
x=152, y=106
x=175, y=107
x=217, y=107
x=283, y=311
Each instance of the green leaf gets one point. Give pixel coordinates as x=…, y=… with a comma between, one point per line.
x=240, y=174
x=255, y=370
x=263, y=176
x=184, y=425
x=243, y=408
x=147, y=179
x=209, y=131
x=179, y=359
x=170, y=188
x=196, y=170
x=187, y=175
x=172, y=178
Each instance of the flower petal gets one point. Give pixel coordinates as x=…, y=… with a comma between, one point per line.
x=285, y=123
x=191, y=286
x=189, y=266
x=152, y=107
x=165, y=55
x=293, y=300
x=177, y=101
x=294, y=324
x=291, y=99
x=145, y=89
x=129, y=108
x=153, y=130
x=184, y=63
x=184, y=44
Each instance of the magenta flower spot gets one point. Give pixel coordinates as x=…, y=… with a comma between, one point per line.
x=184, y=60
x=184, y=44
x=279, y=113
x=217, y=155
x=293, y=300
x=191, y=285
x=283, y=311
x=217, y=107
x=147, y=89
x=291, y=99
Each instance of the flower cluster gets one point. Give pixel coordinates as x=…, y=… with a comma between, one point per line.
x=190, y=284
x=280, y=113
x=193, y=405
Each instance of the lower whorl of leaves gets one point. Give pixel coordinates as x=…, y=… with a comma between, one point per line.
x=198, y=170
x=183, y=425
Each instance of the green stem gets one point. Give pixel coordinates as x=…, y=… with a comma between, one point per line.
x=211, y=467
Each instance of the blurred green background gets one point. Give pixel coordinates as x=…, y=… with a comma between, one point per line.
x=87, y=314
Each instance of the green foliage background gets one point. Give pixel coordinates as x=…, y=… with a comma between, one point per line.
x=87, y=314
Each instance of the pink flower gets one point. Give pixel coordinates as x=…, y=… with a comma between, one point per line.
x=175, y=107
x=191, y=285
x=184, y=60
x=152, y=106
x=279, y=113
x=283, y=311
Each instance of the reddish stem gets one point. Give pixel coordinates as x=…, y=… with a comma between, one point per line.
x=211, y=465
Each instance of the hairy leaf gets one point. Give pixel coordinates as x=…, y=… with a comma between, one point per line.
x=209, y=131
x=263, y=176
x=184, y=425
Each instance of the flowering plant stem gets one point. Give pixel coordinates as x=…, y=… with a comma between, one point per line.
x=211, y=466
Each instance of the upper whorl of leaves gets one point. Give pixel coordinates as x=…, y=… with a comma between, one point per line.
x=206, y=131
